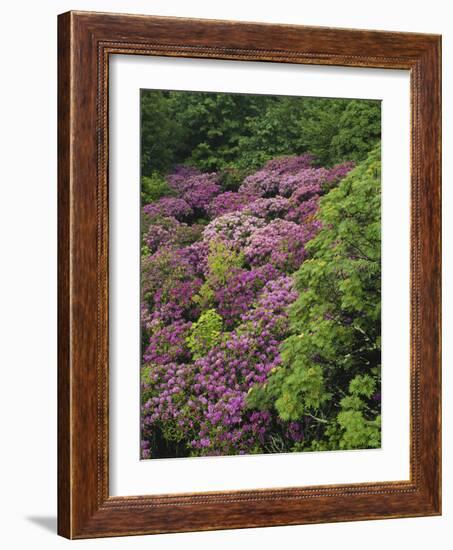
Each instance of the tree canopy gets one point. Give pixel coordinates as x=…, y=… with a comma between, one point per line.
x=240, y=132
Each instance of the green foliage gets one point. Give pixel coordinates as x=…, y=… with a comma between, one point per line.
x=160, y=133
x=237, y=133
x=359, y=128
x=304, y=391
x=362, y=384
x=358, y=432
x=222, y=263
x=153, y=187
x=213, y=124
x=330, y=367
x=357, y=424
x=205, y=333
x=335, y=130
x=276, y=132
x=232, y=176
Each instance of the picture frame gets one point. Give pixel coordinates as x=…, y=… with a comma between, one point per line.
x=85, y=42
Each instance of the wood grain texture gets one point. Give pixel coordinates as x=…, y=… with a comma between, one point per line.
x=86, y=40
x=64, y=370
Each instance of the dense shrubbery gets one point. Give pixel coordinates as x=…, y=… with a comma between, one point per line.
x=260, y=274
x=330, y=369
x=260, y=311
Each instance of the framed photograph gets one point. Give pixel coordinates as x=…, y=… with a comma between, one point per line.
x=249, y=275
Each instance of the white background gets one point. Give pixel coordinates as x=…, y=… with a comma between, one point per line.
x=128, y=475
x=28, y=275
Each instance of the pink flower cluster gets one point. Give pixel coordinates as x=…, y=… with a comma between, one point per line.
x=234, y=228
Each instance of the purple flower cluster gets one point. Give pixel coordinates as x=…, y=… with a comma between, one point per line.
x=199, y=403
x=195, y=188
x=303, y=212
x=169, y=206
x=167, y=344
x=163, y=390
x=280, y=243
x=162, y=274
x=276, y=207
x=195, y=257
x=227, y=202
x=307, y=181
x=266, y=182
x=237, y=297
x=168, y=231
x=269, y=314
x=228, y=371
x=176, y=302
x=180, y=173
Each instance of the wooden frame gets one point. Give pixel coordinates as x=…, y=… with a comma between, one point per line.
x=85, y=41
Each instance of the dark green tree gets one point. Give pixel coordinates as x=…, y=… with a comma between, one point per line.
x=359, y=129
x=333, y=130
x=213, y=124
x=160, y=134
x=237, y=133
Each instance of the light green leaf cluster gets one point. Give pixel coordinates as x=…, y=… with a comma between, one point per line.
x=358, y=432
x=222, y=263
x=205, y=333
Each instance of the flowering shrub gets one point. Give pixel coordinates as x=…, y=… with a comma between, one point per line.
x=176, y=302
x=229, y=202
x=272, y=208
x=217, y=285
x=303, y=211
x=195, y=257
x=168, y=282
x=179, y=174
x=222, y=263
x=286, y=175
x=332, y=354
x=266, y=181
x=235, y=229
x=167, y=231
x=169, y=206
x=196, y=189
x=307, y=181
x=167, y=344
x=236, y=297
x=280, y=243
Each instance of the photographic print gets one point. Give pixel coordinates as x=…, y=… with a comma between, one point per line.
x=260, y=274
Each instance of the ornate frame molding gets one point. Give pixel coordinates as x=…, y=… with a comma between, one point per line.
x=86, y=40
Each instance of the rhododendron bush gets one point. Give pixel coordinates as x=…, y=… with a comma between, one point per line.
x=260, y=305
